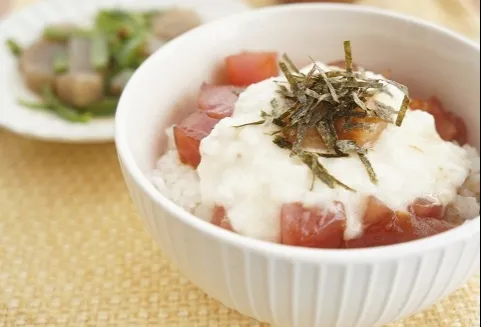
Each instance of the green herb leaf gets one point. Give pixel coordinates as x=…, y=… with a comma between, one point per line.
x=14, y=47
x=33, y=105
x=103, y=108
x=99, y=55
x=63, y=111
x=130, y=51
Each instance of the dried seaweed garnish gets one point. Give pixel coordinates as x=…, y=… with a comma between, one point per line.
x=274, y=104
x=284, y=91
x=332, y=155
x=311, y=160
x=282, y=142
x=325, y=132
x=347, y=146
x=317, y=101
x=348, y=56
x=296, y=87
x=370, y=170
x=331, y=89
x=273, y=133
x=359, y=102
x=258, y=122
x=402, y=111
x=349, y=125
x=290, y=63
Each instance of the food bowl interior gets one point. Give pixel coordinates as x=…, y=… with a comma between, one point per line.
x=428, y=59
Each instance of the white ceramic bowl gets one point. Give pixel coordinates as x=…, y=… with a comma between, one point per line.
x=291, y=286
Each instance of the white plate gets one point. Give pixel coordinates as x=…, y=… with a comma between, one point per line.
x=26, y=25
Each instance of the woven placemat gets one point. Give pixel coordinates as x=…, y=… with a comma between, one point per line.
x=73, y=252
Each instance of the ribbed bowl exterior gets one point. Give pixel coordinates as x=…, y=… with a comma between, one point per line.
x=287, y=292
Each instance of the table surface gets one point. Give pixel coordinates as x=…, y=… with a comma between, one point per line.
x=73, y=252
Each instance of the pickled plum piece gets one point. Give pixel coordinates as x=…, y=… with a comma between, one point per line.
x=312, y=227
x=219, y=218
x=312, y=140
x=218, y=101
x=362, y=136
x=424, y=208
x=248, y=68
x=188, y=135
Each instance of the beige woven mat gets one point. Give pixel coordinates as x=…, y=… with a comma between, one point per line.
x=74, y=253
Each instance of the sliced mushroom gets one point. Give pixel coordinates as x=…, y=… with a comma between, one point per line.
x=174, y=22
x=36, y=64
x=82, y=85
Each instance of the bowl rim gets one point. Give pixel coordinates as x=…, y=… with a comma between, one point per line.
x=390, y=252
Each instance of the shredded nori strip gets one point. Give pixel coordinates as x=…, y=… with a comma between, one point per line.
x=402, y=111
x=259, y=122
x=348, y=56
x=290, y=63
x=319, y=171
x=369, y=169
x=282, y=142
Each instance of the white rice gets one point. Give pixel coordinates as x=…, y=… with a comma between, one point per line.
x=179, y=182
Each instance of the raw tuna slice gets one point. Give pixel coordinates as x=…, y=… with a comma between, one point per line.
x=248, y=68
x=312, y=227
x=218, y=101
x=188, y=135
x=383, y=226
x=423, y=208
